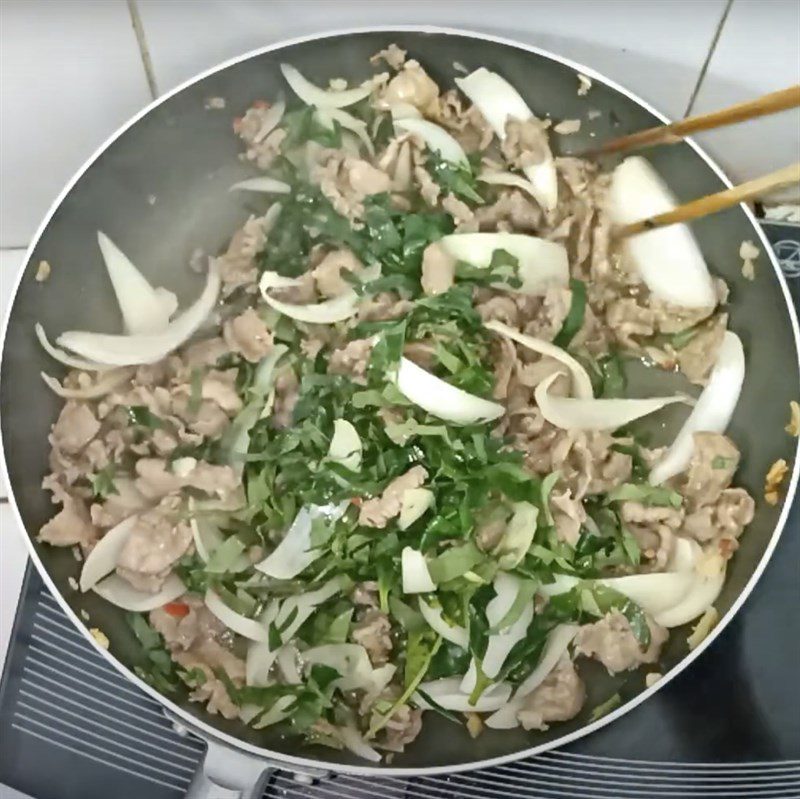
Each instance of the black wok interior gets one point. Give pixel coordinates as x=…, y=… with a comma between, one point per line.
x=161, y=191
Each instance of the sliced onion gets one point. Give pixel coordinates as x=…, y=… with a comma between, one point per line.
x=542, y=263
x=668, y=259
x=294, y=552
x=506, y=587
x=320, y=313
x=708, y=577
x=138, y=349
x=509, y=179
x=345, y=447
x=247, y=628
x=354, y=741
x=280, y=710
x=108, y=382
x=404, y=111
x=262, y=184
x=65, y=358
x=435, y=137
x=323, y=98
x=120, y=592
x=506, y=717
x=414, y=503
x=594, y=414
x=447, y=694
x=327, y=116
x=296, y=609
x=206, y=537
x=713, y=410
x=581, y=382
x=287, y=663
x=454, y=633
x=498, y=101
x=145, y=310
x=102, y=560
x=260, y=656
x=353, y=664
x=442, y=400
x=518, y=535
x=416, y=577
x=270, y=121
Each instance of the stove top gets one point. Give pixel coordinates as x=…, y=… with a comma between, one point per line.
x=71, y=727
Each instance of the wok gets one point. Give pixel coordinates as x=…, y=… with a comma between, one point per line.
x=159, y=188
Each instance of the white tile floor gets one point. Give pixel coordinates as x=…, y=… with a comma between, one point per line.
x=71, y=71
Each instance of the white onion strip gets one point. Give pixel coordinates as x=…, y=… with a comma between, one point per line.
x=65, y=358
x=435, y=137
x=713, y=410
x=447, y=694
x=120, y=592
x=322, y=98
x=569, y=413
x=262, y=184
x=454, y=633
x=144, y=309
x=247, y=628
x=322, y=313
x=415, y=575
x=138, y=349
x=505, y=718
x=499, y=101
x=270, y=121
x=102, y=560
x=508, y=179
x=327, y=116
x=542, y=263
x=442, y=400
x=581, y=382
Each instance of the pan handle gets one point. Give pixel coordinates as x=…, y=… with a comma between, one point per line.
x=225, y=773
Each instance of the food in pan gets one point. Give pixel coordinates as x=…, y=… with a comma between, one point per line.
x=388, y=462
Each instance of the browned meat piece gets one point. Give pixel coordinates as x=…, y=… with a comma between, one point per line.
x=71, y=525
x=393, y=55
x=377, y=511
x=525, y=143
x=352, y=359
x=237, y=267
x=714, y=460
x=459, y=210
x=383, y=306
x=286, y=394
x=501, y=308
x=698, y=357
x=611, y=641
x=411, y=85
x=328, y=272
x=568, y=515
x=438, y=269
x=248, y=335
x=75, y=427
x=401, y=729
x=723, y=521
x=374, y=633
x=159, y=539
x=627, y=319
x=512, y=211
x=559, y=698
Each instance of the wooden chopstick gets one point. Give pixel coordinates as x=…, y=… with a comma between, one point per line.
x=712, y=203
x=669, y=134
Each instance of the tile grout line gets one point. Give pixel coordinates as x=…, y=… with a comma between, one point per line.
x=712, y=48
x=144, y=52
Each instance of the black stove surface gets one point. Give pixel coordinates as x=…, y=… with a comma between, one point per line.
x=71, y=727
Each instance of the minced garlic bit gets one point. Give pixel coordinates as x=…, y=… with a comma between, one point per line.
x=77, y=554
x=748, y=252
x=568, y=126
x=474, y=724
x=84, y=614
x=100, y=637
x=594, y=114
x=706, y=624
x=214, y=103
x=42, y=272
x=73, y=583
x=584, y=84
x=775, y=475
x=652, y=678
x=793, y=428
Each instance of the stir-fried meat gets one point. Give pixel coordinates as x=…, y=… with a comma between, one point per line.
x=374, y=632
x=156, y=479
x=513, y=211
x=75, y=427
x=560, y=697
x=263, y=143
x=611, y=641
x=715, y=458
x=71, y=525
x=346, y=181
x=526, y=142
x=626, y=319
x=724, y=520
x=392, y=55
x=248, y=335
x=286, y=395
x=116, y=507
x=459, y=210
x=698, y=357
x=412, y=86
x=401, y=729
x=237, y=267
x=469, y=127
x=158, y=539
x=352, y=359
x=438, y=269
x=194, y=642
x=382, y=307
x=377, y=511
x=568, y=515
x=328, y=272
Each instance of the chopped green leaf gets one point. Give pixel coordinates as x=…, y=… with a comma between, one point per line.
x=646, y=494
x=573, y=321
x=604, y=708
x=103, y=481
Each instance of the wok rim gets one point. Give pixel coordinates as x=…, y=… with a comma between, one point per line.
x=299, y=763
